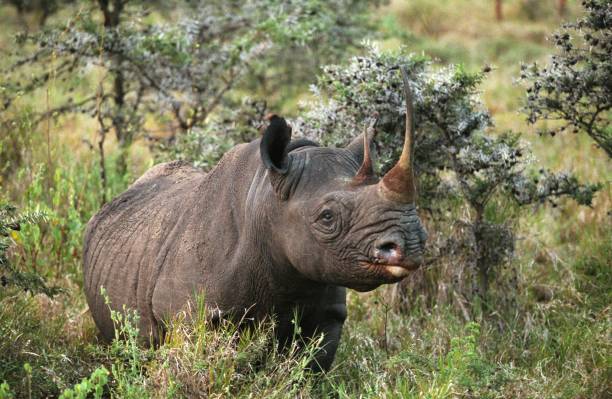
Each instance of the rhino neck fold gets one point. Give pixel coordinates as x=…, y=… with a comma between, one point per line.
x=277, y=224
x=256, y=272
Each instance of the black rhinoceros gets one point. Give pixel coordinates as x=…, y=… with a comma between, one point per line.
x=276, y=226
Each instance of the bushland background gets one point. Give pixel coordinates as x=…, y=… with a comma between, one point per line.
x=70, y=141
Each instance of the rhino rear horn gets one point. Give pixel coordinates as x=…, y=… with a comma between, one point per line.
x=361, y=148
x=273, y=146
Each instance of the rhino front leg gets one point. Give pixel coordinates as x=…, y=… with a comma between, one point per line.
x=327, y=318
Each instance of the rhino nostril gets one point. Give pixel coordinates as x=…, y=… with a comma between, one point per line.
x=388, y=247
x=389, y=252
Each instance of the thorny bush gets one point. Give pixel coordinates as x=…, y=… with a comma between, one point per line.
x=574, y=87
x=10, y=275
x=157, y=79
x=465, y=174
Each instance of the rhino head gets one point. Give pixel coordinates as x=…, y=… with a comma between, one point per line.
x=337, y=222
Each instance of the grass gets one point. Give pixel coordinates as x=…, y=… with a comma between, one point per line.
x=552, y=342
x=557, y=348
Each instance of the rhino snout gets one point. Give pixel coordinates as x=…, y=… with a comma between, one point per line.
x=395, y=250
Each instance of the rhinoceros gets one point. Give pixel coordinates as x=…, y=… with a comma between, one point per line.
x=278, y=226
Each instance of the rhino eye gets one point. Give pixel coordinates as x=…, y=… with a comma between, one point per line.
x=328, y=223
x=326, y=217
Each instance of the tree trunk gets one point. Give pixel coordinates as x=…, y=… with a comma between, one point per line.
x=482, y=268
x=21, y=15
x=498, y=10
x=101, y=138
x=562, y=7
x=123, y=135
x=112, y=19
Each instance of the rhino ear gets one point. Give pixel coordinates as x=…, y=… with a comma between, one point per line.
x=284, y=171
x=273, y=146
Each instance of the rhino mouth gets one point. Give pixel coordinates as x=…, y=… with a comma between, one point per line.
x=392, y=271
x=397, y=271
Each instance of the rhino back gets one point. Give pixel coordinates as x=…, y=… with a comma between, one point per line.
x=170, y=229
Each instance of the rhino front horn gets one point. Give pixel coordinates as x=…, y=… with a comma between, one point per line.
x=399, y=183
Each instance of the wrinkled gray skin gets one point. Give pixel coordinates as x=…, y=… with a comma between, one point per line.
x=275, y=227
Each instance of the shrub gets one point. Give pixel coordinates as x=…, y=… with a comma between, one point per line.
x=94, y=384
x=204, y=146
x=175, y=74
x=472, y=184
x=574, y=87
x=10, y=223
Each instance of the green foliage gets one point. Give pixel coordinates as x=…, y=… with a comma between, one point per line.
x=200, y=148
x=95, y=384
x=233, y=360
x=464, y=367
x=5, y=391
x=67, y=197
x=204, y=147
x=34, y=331
x=534, y=9
x=200, y=358
x=28, y=372
x=179, y=71
x=127, y=368
x=504, y=51
x=12, y=143
x=594, y=276
x=41, y=9
x=574, y=88
x=10, y=223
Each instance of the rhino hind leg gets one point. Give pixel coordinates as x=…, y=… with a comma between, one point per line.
x=151, y=333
